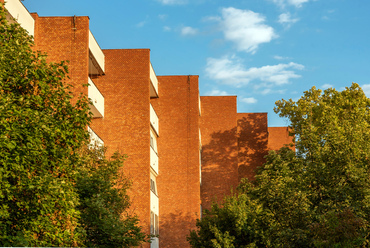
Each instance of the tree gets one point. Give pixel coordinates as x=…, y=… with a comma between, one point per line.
x=40, y=134
x=46, y=170
x=317, y=196
x=234, y=224
x=332, y=131
x=104, y=203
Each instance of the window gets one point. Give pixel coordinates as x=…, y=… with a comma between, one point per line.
x=201, y=211
x=156, y=227
x=154, y=223
x=153, y=140
x=153, y=186
x=200, y=166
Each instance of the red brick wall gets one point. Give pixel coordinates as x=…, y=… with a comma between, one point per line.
x=219, y=148
x=252, y=143
x=66, y=39
x=278, y=137
x=126, y=123
x=234, y=146
x=178, y=149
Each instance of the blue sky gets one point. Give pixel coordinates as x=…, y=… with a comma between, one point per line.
x=260, y=50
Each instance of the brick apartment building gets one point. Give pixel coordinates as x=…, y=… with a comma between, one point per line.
x=184, y=150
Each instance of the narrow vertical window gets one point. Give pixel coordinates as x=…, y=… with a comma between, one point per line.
x=152, y=223
x=153, y=187
x=156, y=225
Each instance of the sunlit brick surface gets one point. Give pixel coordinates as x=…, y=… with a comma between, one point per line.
x=178, y=146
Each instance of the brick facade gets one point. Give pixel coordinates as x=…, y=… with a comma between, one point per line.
x=252, y=143
x=178, y=146
x=279, y=136
x=219, y=148
x=66, y=39
x=126, y=123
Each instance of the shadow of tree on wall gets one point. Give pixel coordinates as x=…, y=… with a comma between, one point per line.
x=231, y=155
x=174, y=228
x=228, y=156
x=252, y=144
x=219, y=166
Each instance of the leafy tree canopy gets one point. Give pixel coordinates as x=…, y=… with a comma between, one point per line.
x=104, y=203
x=317, y=196
x=40, y=132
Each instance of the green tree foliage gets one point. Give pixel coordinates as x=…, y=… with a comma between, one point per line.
x=40, y=132
x=234, y=224
x=317, y=196
x=53, y=192
x=104, y=203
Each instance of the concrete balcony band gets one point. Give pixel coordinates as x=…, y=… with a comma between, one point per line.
x=154, y=161
x=153, y=140
x=154, y=209
x=96, y=57
x=154, y=203
x=155, y=243
x=154, y=120
x=97, y=100
x=95, y=140
x=200, y=106
x=17, y=10
x=200, y=139
x=153, y=83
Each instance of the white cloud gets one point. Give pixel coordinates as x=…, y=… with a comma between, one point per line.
x=162, y=17
x=231, y=71
x=172, y=2
x=167, y=29
x=328, y=17
x=188, y=31
x=248, y=100
x=325, y=18
x=211, y=19
x=271, y=91
x=281, y=57
x=246, y=29
x=327, y=86
x=366, y=89
x=141, y=24
x=216, y=92
x=286, y=19
x=296, y=3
